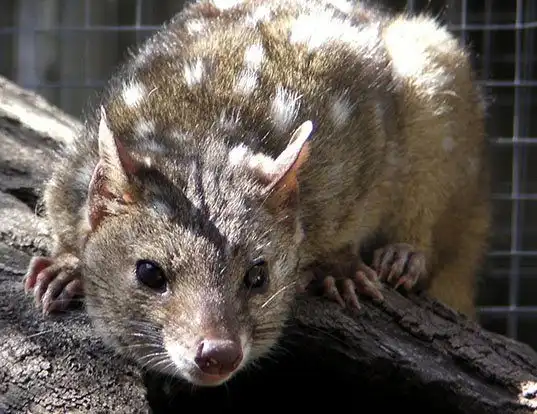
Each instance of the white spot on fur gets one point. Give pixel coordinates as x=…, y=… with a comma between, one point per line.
x=284, y=108
x=411, y=42
x=226, y=4
x=193, y=72
x=147, y=161
x=133, y=93
x=306, y=29
x=342, y=5
x=253, y=56
x=195, y=26
x=144, y=128
x=237, y=154
x=246, y=82
x=261, y=14
x=408, y=61
x=448, y=143
x=340, y=110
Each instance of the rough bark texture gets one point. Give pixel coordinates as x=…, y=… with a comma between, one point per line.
x=54, y=365
x=408, y=353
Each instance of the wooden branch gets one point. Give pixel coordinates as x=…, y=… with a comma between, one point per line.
x=55, y=365
x=406, y=353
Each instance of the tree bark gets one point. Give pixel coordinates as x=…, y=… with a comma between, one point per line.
x=51, y=365
x=405, y=353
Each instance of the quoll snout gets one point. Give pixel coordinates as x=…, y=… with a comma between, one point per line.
x=218, y=356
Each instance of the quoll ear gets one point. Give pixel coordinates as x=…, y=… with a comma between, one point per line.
x=111, y=177
x=280, y=175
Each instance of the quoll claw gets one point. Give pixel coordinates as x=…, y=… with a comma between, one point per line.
x=54, y=282
x=400, y=264
x=344, y=290
x=37, y=264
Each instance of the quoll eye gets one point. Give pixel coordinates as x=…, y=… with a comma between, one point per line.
x=151, y=275
x=257, y=277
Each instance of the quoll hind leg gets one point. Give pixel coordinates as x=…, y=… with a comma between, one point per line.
x=462, y=254
x=398, y=264
x=54, y=281
x=454, y=286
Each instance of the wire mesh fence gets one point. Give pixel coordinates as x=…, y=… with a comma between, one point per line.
x=67, y=49
x=502, y=36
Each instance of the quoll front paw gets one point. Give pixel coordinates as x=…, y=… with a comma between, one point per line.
x=400, y=264
x=345, y=289
x=54, y=282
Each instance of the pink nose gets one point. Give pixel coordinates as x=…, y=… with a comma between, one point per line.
x=218, y=357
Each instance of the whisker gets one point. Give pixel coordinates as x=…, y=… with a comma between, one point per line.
x=279, y=291
x=166, y=361
x=153, y=354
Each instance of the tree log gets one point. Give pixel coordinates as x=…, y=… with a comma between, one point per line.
x=52, y=365
x=409, y=351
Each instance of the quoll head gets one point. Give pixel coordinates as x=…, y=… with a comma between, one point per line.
x=191, y=268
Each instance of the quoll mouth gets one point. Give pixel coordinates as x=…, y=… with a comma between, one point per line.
x=208, y=380
x=214, y=362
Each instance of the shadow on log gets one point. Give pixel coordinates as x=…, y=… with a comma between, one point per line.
x=406, y=353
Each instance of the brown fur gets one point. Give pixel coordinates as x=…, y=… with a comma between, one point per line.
x=397, y=149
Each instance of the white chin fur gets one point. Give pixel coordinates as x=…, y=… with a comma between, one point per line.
x=178, y=354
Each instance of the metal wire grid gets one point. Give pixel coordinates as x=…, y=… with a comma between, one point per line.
x=502, y=35
x=507, y=71
x=74, y=31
